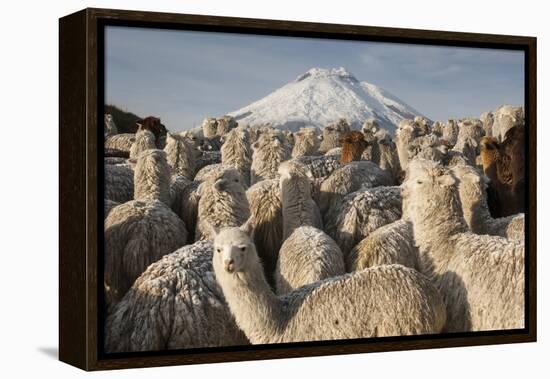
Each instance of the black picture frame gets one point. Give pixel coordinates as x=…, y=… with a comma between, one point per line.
x=81, y=84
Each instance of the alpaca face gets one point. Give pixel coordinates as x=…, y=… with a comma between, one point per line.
x=234, y=249
x=229, y=181
x=425, y=185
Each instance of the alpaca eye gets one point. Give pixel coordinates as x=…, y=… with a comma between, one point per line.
x=419, y=181
x=236, y=180
x=243, y=248
x=218, y=250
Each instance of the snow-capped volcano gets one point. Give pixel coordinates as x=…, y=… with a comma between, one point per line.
x=321, y=97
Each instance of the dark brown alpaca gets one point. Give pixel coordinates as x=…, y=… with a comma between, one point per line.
x=154, y=125
x=503, y=164
x=353, y=144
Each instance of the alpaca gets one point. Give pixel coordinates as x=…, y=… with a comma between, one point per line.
x=332, y=134
x=236, y=152
x=267, y=209
x=487, y=120
x=382, y=301
x=405, y=133
x=306, y=142
x=222, y=202
x=468, y=148
x=225, y=124
x=480, y=277
x=269, y=151
x=437, y=129
x=470, y=128
x=390, y=244
x=353, y=144
x=361, y=213
x=473, y=198
x=350, y=178
x=389, y=160
x=181, y=155
x=503, y=163
x=152, y=177
x=110, y=126
x=175, y=304
x=505, y=118
x=145, y=140
x=178, y=185
x=209, y=127
x=298, y=207
x=423, y=125
x=427, y=147
x=154, y=125
x=139, y=232
x=120, y=143
x=307, y=256
x=450, y=131
x=119, y=182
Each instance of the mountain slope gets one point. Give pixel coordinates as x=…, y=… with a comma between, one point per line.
x=320, y=97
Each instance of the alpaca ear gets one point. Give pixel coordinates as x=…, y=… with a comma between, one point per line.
x=212, y=230
x=248, y=226
x=445, y=180
x=220, y=184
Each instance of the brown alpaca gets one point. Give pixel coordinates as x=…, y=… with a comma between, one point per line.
x=503, y=163
x=154, y=125
x=353, y=144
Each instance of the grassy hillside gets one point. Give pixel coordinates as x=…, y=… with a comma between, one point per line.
x=125, y=121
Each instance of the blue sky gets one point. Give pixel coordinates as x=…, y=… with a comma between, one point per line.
x=184, y=76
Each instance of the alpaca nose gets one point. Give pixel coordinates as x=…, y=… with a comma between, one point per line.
x=229, y=265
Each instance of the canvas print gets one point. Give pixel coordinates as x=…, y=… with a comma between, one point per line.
x=265, y=189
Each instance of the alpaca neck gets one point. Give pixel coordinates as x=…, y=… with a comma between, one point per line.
x=477, y=215
x=153, y=185
x=435, y=227
x=295, y=197
x=257, y=311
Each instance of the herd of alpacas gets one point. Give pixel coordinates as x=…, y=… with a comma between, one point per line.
x=232, y=235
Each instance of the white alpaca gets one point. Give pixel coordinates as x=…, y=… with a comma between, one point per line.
x=390, y=244
x=236, y=152
x=473, y=197
x=209, y=127
x=175, y=304
x=269, y=151
x=382, y=301
x=505, y=118
x=145, y=140
x=298, y=207
x=307, y=256
x=307, y=142
x=264, y=199
x=139, y=232
x=181, y=155
x=222, y=202
x=480, y=277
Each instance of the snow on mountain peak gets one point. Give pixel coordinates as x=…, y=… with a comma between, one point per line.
x=321, y=97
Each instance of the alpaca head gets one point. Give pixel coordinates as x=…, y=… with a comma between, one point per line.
x=229, y=180
x=234, y=249
x=152, y=124
x=209, y=127
x=225, y=124
x=489, y=144
x=471, y=185
x=353, y=145
x=370, y=127
x=428, y=187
